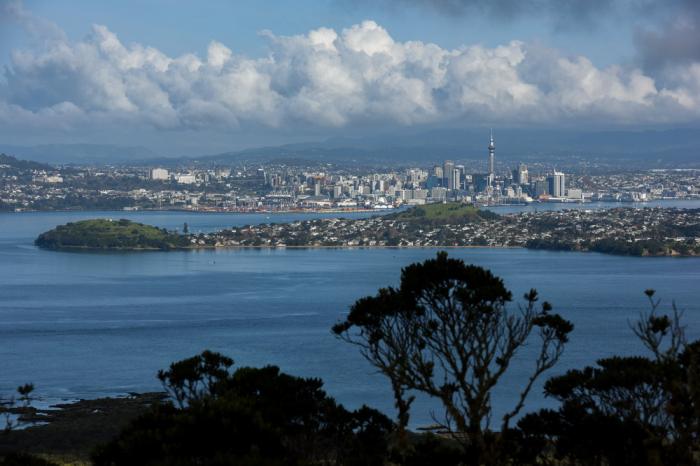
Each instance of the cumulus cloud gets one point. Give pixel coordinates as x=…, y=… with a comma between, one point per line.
x=675, y=40
x=328, y=78
x=38, y=28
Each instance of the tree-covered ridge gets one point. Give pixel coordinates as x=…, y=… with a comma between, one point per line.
x=437, y=214
x=110, y=234
x=16, y=163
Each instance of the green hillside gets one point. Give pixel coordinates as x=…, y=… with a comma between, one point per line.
x=452, y=213
x=105, y=234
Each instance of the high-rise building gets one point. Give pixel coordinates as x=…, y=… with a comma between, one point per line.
x=557, y=184
x=480, y=181
x=437, y=171
x=539, y=187
x=492, y=158
x=453, y=181
x=520, y=175
x=317, y=188
x=447, y=168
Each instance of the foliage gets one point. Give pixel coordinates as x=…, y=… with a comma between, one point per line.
x=110, y=234
x=12, y=406
x=439, y=214
x=650, y=247
x=447, y=332
x=627, y=410
x=22, y=164
x=250, y=416
x=195, y=378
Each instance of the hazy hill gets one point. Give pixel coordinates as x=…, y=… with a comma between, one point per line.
x=679, y=147
x=22, y=164
x=647, y=149
x=98, y=154
x=439, y=214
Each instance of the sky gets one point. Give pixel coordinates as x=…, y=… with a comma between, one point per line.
x=183, y=77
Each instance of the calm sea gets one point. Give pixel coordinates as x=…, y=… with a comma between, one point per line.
x=84, y=325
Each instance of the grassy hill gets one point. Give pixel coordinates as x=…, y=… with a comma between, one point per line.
x=449, y=213
x=105, y=234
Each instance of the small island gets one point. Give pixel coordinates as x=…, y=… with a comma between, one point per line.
x=106, y=234
x=622, y=231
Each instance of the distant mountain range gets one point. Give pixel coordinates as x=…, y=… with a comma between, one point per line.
x=651, y=148
x=98, y=154
x=662, y=148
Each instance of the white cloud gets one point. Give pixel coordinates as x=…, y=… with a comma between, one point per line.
x=328, y=79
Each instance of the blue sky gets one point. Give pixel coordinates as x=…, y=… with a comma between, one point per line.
x=183, y=26
x=229, y=74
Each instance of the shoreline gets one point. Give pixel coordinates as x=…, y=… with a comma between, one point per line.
x=270, y=248
x=70, y=430
x=346, y=211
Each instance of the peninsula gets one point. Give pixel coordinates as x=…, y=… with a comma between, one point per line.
x=625, y=231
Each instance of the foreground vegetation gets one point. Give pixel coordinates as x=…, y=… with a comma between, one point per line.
x=449, y=331
x=105, y=234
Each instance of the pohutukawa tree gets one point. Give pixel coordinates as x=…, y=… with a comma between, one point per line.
x=447, y=331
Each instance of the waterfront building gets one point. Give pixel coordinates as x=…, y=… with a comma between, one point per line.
x=574, y=193
x=556, y=184
x=540, y=188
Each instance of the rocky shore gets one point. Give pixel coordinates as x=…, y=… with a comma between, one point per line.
x=69, y=432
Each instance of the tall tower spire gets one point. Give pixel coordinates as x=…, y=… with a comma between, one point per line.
x=492, y=158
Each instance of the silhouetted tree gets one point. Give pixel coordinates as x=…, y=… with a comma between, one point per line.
x=249, y=416
x=626, y=410
x=13, y=406
x=447, y=332
x=195, y=378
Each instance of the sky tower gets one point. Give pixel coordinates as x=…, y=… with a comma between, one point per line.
x=492, y=158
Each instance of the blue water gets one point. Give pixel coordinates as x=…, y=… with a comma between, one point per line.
x=90, y=324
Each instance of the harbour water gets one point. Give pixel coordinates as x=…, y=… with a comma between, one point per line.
x=84, y=325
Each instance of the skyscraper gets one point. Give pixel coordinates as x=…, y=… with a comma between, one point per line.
x=557, y=184
x=448, y=166
x=453, y=182
x=520, y=175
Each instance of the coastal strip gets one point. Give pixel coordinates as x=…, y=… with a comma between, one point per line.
x=634, y=232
